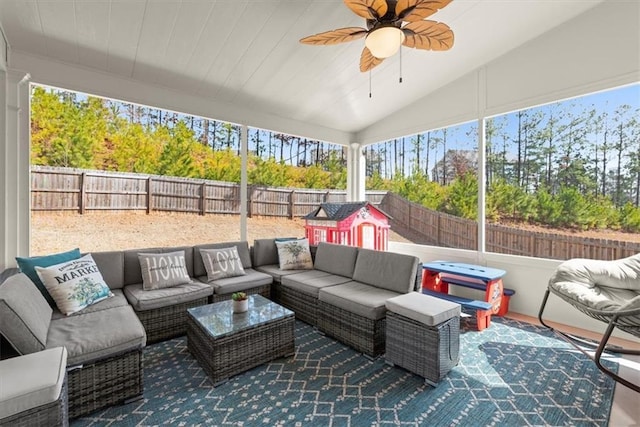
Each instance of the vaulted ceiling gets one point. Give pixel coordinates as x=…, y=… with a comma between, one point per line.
x=246, y=53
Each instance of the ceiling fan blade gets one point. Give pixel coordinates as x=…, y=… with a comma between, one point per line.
x=428, y=35
x=340, y=35
x=368, y=9
x=368, y=61
x=417, y=10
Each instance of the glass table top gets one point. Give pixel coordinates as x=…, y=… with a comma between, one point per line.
x=218, y=319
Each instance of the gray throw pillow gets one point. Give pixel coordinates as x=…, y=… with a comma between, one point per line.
x=163, y=270
x=222, y=263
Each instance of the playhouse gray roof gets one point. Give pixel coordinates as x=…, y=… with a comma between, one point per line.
x=338, y=211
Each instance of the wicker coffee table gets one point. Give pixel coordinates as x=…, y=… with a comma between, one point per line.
x=226, y=344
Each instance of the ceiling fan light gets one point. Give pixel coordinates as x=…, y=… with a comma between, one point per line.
x=384, y=41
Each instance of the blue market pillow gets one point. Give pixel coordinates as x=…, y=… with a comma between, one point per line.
x=28, y=267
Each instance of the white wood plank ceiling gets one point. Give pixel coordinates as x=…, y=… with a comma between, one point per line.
x=246, y=52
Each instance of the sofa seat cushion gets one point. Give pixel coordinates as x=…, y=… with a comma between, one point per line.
x=358, y=298
x=25, y=315
x=386, y=270
x=274, y=271
x=142, y=300
x=310, y=282
x=97, y=335
x=228, y=285
x=117, y=300
x=336, y=259
x=30, y=382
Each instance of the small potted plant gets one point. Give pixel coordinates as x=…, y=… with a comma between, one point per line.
x=240, y=302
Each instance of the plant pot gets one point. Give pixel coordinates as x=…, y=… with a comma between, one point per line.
x=240, y=306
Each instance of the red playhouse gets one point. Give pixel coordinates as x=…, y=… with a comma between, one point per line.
x=354, y=224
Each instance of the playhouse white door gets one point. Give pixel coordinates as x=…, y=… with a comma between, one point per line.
x=367, y=236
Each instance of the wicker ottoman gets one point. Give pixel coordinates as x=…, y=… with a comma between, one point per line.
x=423, y=335
x=33, y=390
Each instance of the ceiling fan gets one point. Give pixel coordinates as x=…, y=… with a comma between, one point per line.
x=385, y=31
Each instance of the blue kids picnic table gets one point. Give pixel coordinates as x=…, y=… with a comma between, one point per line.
x=438, y=275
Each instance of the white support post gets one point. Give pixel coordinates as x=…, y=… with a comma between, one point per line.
x=356, y=171
x=14, y=159
x=482, y=161
x=244, y=147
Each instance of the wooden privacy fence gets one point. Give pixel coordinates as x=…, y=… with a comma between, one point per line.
x=431, y=227
x=66, y=189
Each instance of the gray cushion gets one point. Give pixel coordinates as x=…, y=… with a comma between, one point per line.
x=117, y=300
x=336, y=259
x=111, y=266
x=310, y=282
x=265, y=252
x=142, y=300
x=358, y=298
x=31, y=381
x=132, y=271
x=274, y=271
x=24, y=314
x=250, y=279
x=198, y=265
x=425, y=309
x=386, y=270
x=97, y=335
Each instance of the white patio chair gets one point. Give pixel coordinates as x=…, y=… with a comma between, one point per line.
x=608, y=291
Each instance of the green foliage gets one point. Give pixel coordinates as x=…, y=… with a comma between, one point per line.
x=630, y=218
x=505, y=201
x=548, y=209
x=462, y=199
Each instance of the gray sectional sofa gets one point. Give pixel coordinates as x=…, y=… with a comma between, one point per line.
x=344, y=294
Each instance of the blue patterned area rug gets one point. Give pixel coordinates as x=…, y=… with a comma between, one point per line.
x=511, y=374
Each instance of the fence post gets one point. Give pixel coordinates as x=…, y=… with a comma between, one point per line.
x=149, y=196
x=438, y=228
x=81, y=196
x=250, y=190
x=291, y=202
x=203, y=199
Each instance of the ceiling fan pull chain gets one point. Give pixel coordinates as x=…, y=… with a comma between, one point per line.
x=369, y=83
x=400, y=65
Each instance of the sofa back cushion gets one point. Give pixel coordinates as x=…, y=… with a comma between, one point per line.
x=336, y=259
x=111, y=266
x=386, y=270
x=265, y=252
x=132, y=271
x=25, y=315
x=243, y=251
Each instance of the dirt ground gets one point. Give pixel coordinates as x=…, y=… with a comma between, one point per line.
x=102, y=231
x=92, y=232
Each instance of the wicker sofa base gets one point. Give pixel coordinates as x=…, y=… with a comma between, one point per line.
x=303, y=305
x=363, y=334
x=264, y=290
x=428, y=351
x=167, y=322
x=221, y=358
x=105, y=383
x=55, y=413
